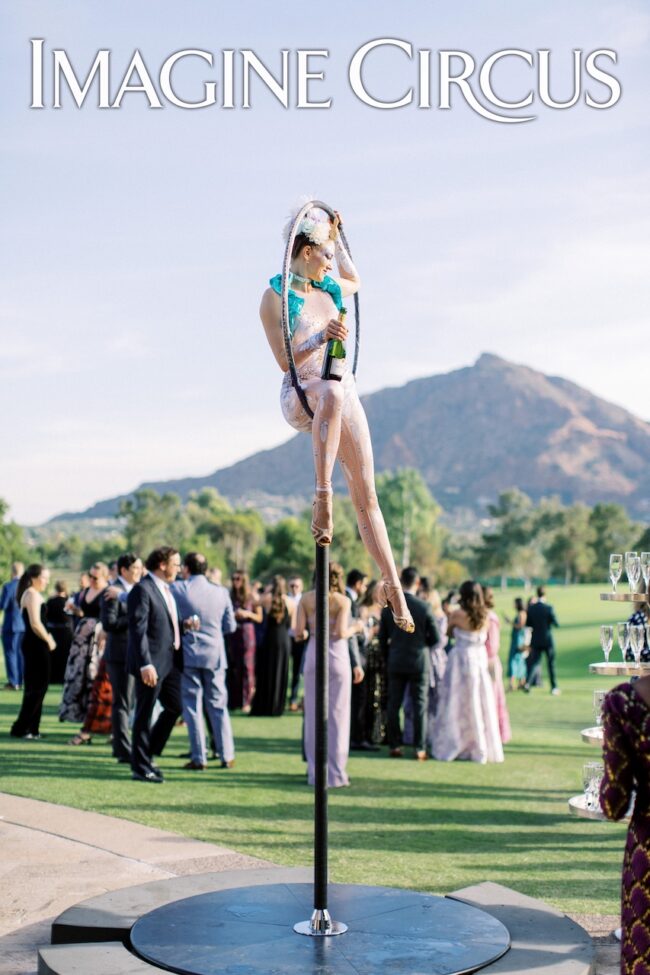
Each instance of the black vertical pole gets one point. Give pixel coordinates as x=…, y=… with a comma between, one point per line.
x=320, y=922
x=321, y=708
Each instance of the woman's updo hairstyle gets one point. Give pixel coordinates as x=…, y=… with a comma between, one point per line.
x=471, y=600
x=299, y=244
x=337, y=578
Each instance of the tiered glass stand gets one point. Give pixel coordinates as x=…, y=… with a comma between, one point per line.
x=594, y=736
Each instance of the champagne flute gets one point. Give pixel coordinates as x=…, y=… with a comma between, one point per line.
x=606, y=640
x=645, y=567
x=599, y=697
x=637, y=639
x=633, y=569
x=592, y=773
x=623, y=633
x=615, y=569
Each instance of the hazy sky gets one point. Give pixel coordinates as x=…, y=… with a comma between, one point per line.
x=137, y=242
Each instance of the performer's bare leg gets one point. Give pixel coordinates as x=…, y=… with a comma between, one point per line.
x=356, y=458
x=326, y=398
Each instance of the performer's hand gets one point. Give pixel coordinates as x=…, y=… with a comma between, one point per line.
x=336, y=223
x=149, y=675
x=357, y=675
x=112, y=592
x=336, y=330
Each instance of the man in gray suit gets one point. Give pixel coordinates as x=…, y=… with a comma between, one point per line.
x=207, y=614
x=408, y=664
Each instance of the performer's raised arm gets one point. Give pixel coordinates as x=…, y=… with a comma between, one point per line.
x=348, y=280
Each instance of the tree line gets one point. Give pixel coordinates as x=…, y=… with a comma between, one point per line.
x=520, y=540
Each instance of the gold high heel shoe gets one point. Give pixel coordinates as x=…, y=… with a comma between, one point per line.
x=322, y=526
x=391, y=595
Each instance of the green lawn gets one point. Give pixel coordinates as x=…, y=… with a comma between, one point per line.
x=434, y=827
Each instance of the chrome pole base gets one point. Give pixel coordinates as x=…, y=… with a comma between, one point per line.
x=320, y=925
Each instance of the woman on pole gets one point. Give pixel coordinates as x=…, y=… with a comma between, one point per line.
x=339, y=427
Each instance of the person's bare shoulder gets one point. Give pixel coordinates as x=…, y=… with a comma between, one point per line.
x=271, y=301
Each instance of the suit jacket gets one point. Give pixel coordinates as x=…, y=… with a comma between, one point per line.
x=356, y=643
x=408, y=653
x=12, y=621
x=212, y=604
x=541, y=617
x=115, y=620
x=151, y=631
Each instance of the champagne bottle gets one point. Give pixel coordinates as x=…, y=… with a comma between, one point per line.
x=334, y=359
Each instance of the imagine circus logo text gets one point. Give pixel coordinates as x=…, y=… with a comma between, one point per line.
x=455, y=70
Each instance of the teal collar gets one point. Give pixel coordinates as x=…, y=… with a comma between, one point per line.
x=296, y=301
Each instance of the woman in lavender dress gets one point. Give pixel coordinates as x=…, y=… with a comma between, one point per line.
x=626, y=756
x=341, y=675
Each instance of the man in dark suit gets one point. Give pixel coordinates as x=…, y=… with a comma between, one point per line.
x=115, y=621
x=408, y=664
x=356, y=585
x=540, y=618
x=154, y=660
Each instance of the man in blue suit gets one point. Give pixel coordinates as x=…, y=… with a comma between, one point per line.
x=12, y=629
x=207, y=614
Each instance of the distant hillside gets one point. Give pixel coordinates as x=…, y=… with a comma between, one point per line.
x=472, y=433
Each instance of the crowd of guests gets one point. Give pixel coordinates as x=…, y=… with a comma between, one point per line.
x=139, y=646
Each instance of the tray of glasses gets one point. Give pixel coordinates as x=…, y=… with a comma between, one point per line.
x=612, y=669
x=624, y=597
x=592, y=736
x=578, y=807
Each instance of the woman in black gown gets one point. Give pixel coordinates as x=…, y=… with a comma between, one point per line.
x=272, y=660
x=38, y=646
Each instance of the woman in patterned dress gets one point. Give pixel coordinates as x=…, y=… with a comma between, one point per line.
x=626, y=756
x=466, y=725
x=85, y=653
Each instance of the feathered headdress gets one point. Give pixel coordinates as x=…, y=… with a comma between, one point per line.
x=316, y=225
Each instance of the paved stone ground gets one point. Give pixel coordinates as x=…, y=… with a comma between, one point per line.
x=53, y=857
x=601, y=927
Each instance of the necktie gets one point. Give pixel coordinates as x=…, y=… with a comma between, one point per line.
x=171, y=606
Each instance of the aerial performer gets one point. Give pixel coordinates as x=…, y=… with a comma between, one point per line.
x=339, y=427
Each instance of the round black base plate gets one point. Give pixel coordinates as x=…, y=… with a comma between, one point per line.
x=249, y=931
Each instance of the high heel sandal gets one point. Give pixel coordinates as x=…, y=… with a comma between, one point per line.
x=392, y=595
x=80, y=739
x=322, y=526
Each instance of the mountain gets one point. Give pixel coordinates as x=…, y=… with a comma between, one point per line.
x=471, y=433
